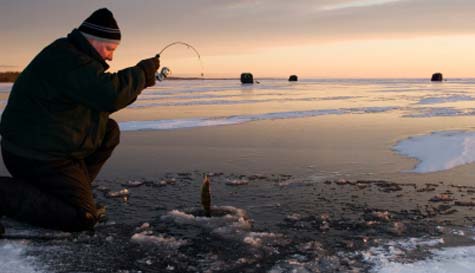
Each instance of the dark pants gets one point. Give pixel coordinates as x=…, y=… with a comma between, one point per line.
x=55, y=194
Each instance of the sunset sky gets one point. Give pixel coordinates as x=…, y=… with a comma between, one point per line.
x=270, y=38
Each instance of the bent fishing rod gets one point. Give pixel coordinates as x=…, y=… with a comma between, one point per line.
x=165, y=71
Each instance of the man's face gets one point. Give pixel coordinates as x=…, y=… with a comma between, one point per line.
x=105, y=49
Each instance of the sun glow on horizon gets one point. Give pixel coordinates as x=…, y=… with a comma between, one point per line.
x=375, y=58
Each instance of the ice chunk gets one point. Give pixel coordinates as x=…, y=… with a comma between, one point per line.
x=116, y=194
x=145, y=238
x=13, y=259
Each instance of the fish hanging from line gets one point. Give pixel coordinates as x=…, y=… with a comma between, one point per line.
x=206, y=196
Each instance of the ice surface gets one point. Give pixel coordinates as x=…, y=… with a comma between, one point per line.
x=5, y=87
x=445, y=99
x=232, y=224
x=13, y=258
x=428, y=112
x=237, y=182
x=458, y=149
x=441, y=260
x=203, y=122
x=240, y=100
x=313, y=94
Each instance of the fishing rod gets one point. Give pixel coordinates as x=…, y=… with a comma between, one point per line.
x=165, y=72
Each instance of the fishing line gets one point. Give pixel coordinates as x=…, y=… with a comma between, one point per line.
x=167, y=71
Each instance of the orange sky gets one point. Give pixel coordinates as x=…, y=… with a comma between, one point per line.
x=270, y=38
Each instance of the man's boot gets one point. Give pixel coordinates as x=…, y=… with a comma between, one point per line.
x=101, y=213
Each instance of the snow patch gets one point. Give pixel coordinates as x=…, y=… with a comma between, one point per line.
x=459, y=149
x=13, y=258
x=389, y=259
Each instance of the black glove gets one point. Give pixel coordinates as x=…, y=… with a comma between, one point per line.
x=149, y=67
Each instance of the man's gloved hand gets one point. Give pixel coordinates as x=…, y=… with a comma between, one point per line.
x=150, y=67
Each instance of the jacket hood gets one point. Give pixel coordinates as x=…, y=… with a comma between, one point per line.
x=78, y=40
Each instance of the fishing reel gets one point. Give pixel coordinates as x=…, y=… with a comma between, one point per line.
x=164, y=73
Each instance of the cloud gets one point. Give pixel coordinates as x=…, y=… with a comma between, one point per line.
x=358, y=4
x=401, y=18
x=249, y=23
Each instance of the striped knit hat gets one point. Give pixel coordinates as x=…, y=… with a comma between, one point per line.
x=101, y=25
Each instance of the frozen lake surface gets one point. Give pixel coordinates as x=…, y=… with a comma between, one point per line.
x=389, y=187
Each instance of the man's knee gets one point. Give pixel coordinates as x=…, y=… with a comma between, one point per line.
x=112, y=137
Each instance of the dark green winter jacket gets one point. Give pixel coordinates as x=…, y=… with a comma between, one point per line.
x=59, y=105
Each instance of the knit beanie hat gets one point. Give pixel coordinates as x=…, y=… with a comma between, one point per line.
x=101, y=25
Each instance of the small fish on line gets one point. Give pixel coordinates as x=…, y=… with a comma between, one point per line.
x=206, y=196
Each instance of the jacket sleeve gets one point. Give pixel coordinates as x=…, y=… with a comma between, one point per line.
x=88, y=84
